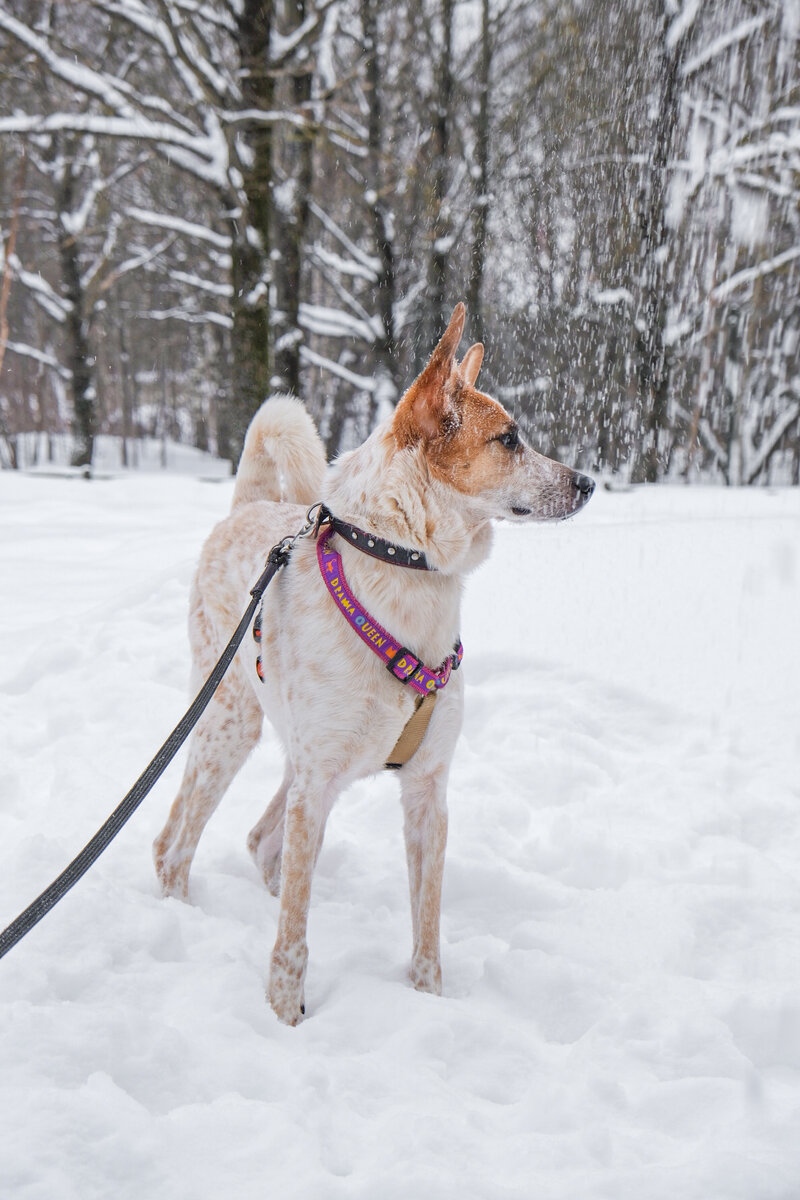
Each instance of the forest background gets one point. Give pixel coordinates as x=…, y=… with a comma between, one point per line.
x=204, y=201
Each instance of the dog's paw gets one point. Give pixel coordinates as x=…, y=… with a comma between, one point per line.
x=286, y=979
x=426, y=975
x=173, y=877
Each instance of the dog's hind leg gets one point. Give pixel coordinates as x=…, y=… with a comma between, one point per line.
x=223, y=737
x=425, y=828
x=265, y=840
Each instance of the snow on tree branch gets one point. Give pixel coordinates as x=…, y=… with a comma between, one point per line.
x=724, y=41
x=362, y=383
x=750, y=274
x=188, y=229
x=40, y=356
x=54, y=305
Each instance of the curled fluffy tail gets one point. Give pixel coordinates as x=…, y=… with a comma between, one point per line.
x=283, y=456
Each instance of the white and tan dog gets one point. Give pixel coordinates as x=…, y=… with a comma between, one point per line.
x=432, y=478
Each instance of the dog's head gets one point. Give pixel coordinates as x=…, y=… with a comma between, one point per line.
x=473, y=445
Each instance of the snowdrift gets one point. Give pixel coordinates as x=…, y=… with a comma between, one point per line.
x=621, y=929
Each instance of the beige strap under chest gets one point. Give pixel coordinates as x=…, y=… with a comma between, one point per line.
x=414, y=731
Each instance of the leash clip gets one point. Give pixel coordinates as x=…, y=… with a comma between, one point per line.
x=316, y=517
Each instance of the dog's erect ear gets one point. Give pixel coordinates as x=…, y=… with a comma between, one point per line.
x=471, y=363
x=442, y=361
x=443, y=357
x=424, y=409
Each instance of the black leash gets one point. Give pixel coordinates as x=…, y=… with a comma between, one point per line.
x=278, y=557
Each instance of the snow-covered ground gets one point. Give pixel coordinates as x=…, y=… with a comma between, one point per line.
x=621, y=918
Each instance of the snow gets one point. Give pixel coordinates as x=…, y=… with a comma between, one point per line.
x=621, y=933
x=722, y=42
x=749, y=274
x=333, y=322
x=188, y=229
x=48, y=453
x=54, y=305
x=619, y=295
x=362, y=383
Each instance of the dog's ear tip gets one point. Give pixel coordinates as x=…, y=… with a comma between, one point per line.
x=455, y=328
x=458, y=315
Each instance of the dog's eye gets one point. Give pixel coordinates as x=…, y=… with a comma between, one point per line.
x=510, y=439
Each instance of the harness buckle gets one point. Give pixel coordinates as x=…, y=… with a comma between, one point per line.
x=400, y=661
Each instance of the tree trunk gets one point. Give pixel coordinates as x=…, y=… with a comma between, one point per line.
x=734, y=473
x=653, y=359
x=480, y=217
x=441, y=224
x=79, y=356
x=377, y=192
x=290, y=225
x=250, y=241
x=126, y=372
x=5, y=289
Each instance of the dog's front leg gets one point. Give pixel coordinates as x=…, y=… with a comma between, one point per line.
x=425, y=827
x=306, y=814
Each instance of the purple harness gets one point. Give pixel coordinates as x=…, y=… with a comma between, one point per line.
x=399, y=660
x=404, y=666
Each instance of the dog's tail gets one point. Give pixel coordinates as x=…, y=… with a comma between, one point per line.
x=283, y=456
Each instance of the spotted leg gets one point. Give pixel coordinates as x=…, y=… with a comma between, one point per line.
x=425, y=828
x=307, y=808
x=223, y=737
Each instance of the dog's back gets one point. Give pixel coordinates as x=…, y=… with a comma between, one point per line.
x=283, y=457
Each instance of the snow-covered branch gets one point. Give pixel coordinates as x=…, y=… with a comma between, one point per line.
x=362, y=383
x=188, y=229
x=197, y=283
x=760, y=457
x=189, y=318
x=332, y=322
x=750, y=274
x=368, y=261
x=712, y=442
x=200, y=155
x=54, y=305
x=137, y=261
x=722, y=43
x=682, y=23
x=40, y=356
x=283, y=47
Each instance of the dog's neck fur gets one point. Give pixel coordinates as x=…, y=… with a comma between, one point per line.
x=390, y=492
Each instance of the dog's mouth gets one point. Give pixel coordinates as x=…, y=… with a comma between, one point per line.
x=521, y=512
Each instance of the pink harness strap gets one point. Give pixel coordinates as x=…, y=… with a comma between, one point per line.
x=399, y=660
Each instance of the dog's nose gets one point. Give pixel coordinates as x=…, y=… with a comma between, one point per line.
x=583, y=483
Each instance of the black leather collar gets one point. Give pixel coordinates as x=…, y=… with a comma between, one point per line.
x=375, y=546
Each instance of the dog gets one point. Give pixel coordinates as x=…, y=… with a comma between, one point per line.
x=421, y=492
